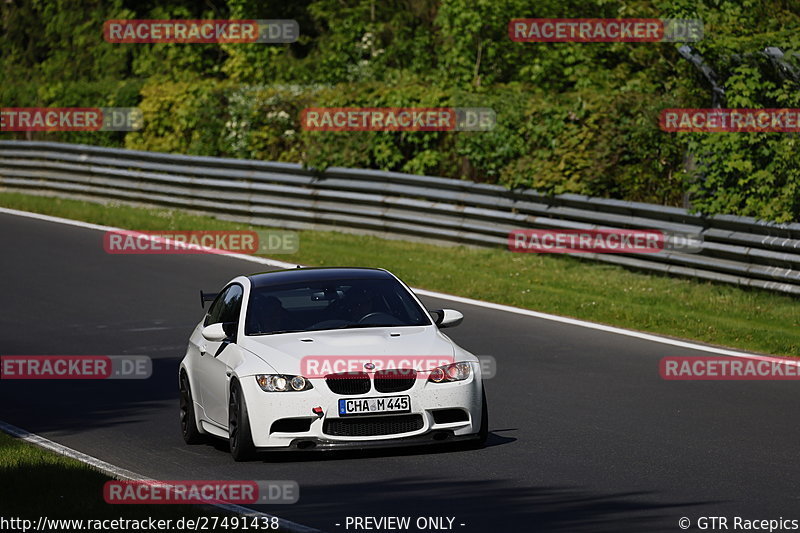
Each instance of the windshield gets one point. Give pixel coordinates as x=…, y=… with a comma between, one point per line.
x=340, y=304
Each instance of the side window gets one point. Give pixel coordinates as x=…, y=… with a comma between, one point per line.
x=232, y=304
x=226, y=307
x=215, y=310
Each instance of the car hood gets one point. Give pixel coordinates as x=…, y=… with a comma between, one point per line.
x=285, y=353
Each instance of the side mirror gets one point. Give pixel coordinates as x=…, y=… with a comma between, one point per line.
x=448, y=318
x=214, y=333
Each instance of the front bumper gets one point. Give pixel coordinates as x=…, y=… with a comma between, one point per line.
x=428, y=439
x=265, y=408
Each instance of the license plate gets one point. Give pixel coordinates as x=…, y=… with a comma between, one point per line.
x=368, y=406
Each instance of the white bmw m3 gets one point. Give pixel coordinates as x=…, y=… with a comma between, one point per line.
x=326, y=358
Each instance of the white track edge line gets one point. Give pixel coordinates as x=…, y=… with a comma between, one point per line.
x=468, y=301
x=127, y=475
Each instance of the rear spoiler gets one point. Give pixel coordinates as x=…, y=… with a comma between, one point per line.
x=207, y=297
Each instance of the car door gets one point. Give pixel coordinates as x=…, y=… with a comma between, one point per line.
x=213, y=364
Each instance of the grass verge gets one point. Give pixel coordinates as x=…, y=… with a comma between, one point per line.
x=717, y=314
x=37, y=482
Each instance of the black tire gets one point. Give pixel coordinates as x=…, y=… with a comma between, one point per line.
x=483, y=432
x=479, y=440
x=191, y=435
x=239, y=435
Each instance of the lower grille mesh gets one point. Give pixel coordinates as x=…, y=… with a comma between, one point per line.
x=375, y=425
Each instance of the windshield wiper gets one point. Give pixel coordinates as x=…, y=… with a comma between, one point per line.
x=282, y=331
x=353, y=326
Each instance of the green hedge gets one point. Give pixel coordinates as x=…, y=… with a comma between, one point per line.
x=577, y=142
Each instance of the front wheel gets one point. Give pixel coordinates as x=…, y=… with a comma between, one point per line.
x=483, y=432
x=239, y=435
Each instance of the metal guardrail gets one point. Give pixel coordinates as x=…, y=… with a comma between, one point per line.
x=736, y=250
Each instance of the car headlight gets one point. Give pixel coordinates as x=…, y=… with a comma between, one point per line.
x=282, y=383
x=454, y=372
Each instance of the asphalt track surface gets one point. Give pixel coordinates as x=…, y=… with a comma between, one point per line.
x=585, y=435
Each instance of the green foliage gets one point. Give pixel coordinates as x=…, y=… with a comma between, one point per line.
x=59, y=41
x=101, y=93
x=588, y=143
x=400, y=151
x=181, y=116
x=750, y=174
x=263, y=122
